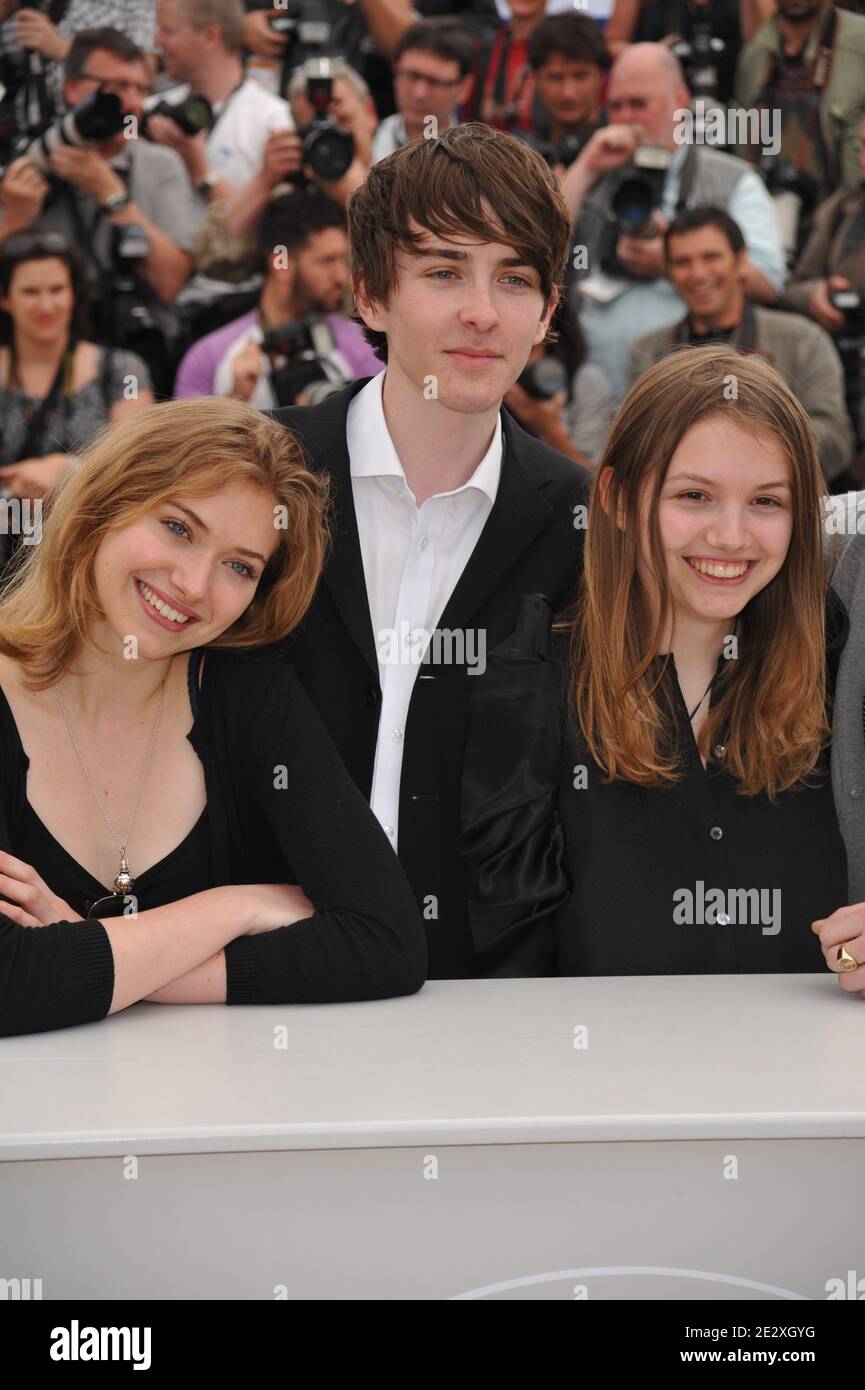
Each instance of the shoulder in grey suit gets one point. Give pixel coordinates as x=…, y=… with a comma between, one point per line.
x=846, y=550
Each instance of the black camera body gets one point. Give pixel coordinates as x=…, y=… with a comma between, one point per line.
x=191, y=115
x=95, y=120
x=699, y=56
x=563, y=151
x=327, y=148
x=298, y=353
x=637, y=196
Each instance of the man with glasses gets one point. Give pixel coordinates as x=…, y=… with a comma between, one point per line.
x=432, y=78
x=99, y=189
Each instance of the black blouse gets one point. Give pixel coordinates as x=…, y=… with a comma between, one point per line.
x=280, y=808
x=657, y=873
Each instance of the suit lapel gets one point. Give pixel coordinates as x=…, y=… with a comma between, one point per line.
x=519, y=513
x=344, y=573
x=321, y=430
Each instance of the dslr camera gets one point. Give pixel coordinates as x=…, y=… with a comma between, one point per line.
x=191, y=115
x=637, y=196
x=301, y=360
x=327, y=148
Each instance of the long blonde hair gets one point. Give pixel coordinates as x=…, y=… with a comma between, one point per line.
x=189, y=447
x=771, y=701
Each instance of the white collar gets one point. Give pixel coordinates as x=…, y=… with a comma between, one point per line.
x=372, y=453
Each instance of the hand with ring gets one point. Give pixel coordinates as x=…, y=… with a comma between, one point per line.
x=842, y=937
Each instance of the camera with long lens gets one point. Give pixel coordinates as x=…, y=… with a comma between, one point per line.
x=327, y=148
x=795, y=195
x=850, y=342
x=544, y=379
x=192, y=115
x=99, y=117
x=301, y=360
x=699, y=57
x=637, y=196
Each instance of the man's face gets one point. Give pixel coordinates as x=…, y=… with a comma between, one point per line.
x=706, y=271
x=645, y=96
x=183, y=48
x=462, y=319
x=427, y=85
x=129, y=81
x=568, y=89
x=321, y=272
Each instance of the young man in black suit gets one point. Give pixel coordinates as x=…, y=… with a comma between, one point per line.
x=445, y=512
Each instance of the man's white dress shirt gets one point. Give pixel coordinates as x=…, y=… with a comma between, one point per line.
x=412, y=559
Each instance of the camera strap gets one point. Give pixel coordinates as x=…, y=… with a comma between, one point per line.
x=742, y=335
x=38, y=418
x=816, y=80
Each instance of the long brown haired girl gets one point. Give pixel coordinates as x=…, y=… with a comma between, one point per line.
x=699, y=825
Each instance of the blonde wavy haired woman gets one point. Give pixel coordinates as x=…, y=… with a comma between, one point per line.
x=175, y=823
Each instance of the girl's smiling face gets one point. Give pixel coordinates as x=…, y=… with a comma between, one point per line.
x=182, y=575
x=725, y=519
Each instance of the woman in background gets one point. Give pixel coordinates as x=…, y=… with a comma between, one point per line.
x=57, y=389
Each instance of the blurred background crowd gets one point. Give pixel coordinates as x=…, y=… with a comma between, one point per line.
x=174, y=176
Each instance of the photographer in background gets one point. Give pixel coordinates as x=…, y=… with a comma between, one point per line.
x=363, y=32
x=125, y=203
x=432, y=77
x=559, y=397
x=623, y=190
x=342, y=99
x=36, y=39
x=57, y=388
x=569, y=59
x=705, y=253
x=829, y=286
x=503, y=94
x=808, y=63
x=201, y=42
x=304, y=253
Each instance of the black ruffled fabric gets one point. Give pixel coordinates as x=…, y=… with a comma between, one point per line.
x=511, y=839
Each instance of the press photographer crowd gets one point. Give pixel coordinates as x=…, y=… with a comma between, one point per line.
x=175, y=177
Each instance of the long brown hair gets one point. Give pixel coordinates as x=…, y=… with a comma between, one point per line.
x=771, y=701
x=190, y=448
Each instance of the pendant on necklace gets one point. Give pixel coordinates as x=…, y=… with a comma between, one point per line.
x=124, y=880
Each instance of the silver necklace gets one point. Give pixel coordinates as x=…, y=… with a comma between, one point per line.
x=124, y=880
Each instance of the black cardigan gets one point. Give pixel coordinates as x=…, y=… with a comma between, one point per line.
x=280, y=808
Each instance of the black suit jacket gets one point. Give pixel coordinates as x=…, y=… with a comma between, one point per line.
x=530, y=544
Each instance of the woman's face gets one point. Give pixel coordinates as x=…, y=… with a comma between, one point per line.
x=725, y=519
x=179, y=577
x=41, y=300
